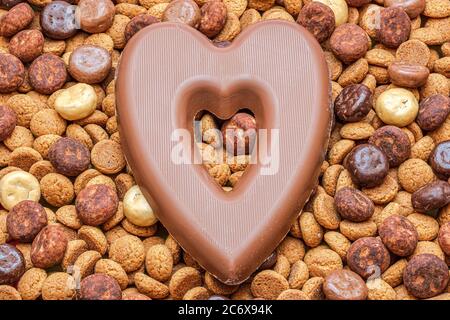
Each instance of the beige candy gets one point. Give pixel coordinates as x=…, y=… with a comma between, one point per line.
x=137, y=209
x=339, y=8
x=17, y=186
x=76, y=102
x=397, y=107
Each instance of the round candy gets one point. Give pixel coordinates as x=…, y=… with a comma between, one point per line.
x=17, y=186
x=353, y=103
x=397, y=106
x=12, y=264
x=344, y=285
x=76, y=102
x=440, y=159
x=399, y=235
x=89, y=64
x=25, y=220
x=12, y=73
x=69, y=156
x=58, y=20
x=184, y=11
x=96, y=16
x=137, y=209
x=393, y=142
x=100, y=287
x=8, y=120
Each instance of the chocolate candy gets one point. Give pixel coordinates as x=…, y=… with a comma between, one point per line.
x=184, y=11
x=395, y=27
x=100, y=287
x=96, y=16
x=353, y=205
x=318, y=19
x=49, y=246
x=89, y=64
x=412, y=7
x=96, y=203
x=47, y=73
x=213, y=18
x=25, y=220
x=69, y=156
x=58, y=20
x=344, y=285
x=239, y=134
x=12, y=264
x=440, y=159
x=137, y=23
x=433, y=111
x=353, y=103
x=349, y=42
x=8, y=120
x=444, y=238
x=425, y=276
x=393, y=142
x=399, y=235
x=368, y=165
x=432, y=196
x=16, y=19
x=27, y=45
x=230, y=256
x=410, y=75
x=367, y=256
x=12, y=73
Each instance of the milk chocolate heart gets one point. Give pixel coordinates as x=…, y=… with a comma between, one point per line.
x=170, y=72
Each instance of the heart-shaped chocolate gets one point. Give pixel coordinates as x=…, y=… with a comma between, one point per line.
x=167, y=74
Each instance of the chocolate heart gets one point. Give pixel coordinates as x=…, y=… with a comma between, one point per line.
x=167, y=74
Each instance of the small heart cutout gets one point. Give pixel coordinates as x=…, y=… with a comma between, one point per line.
x=168, y=73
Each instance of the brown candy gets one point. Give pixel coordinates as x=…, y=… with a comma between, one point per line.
x=96, y=16
x=357, y=3
x=137, y=23
x=395, y=27
x=90, y=64
x=433, y=111
x=425, y=276
x=100, y=287
x=344, y=285
x=399, y=235
x=318, y=19
x=12, y=73
x=368, y=165
x=353, y=205
x=47, y=73
x=9, y=3
x=12, y=264
x=349, y=42
x=58, y=20
x=239, y=134
x=440, y=159
x=96, y=203
x=69, y=156
x=367, y=256
x=25, y=220
x=444, y=238
x=27, y=45
x=8, y=120
x=432, y=196
x=353, y=103
x=410, y=75
x=49, y=246
x=394, y=143
x=213, y=18
x=412, y=7
x=16, y=19
x=184, y=11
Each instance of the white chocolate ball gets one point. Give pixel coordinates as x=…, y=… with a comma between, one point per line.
x=76, y=102
x=397, y=106
x=17, y=186
x=136, y=208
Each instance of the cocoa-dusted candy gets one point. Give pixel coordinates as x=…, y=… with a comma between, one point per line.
x=25, y=220
x=12, y=73
x=368, y=165
x=433, y=111
x=69, y=156
x=96, y=203
x=318, y=19
x=349, y=42
x=353, y=205
x=344, y=285
x=440, y=159
x=395, y=27
x=357, y=3
x=353, y=103
x=406, y=74
x=89, y=64
x=213, y=18
x=8, y=121
x=432, y=196
x=425, y=276
x=444, y=238
x=399, y=235
x=367, y=256
x=58, y=20
x=412, y=7
x=16, y=19
x=49, y=246
x=47, y=73
x=100, y=287
x=137, y=23
x=96, y=16
x=184, y=11
x=393, y=142
x=12, y=264
x=239, y=133
x=27, y=45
